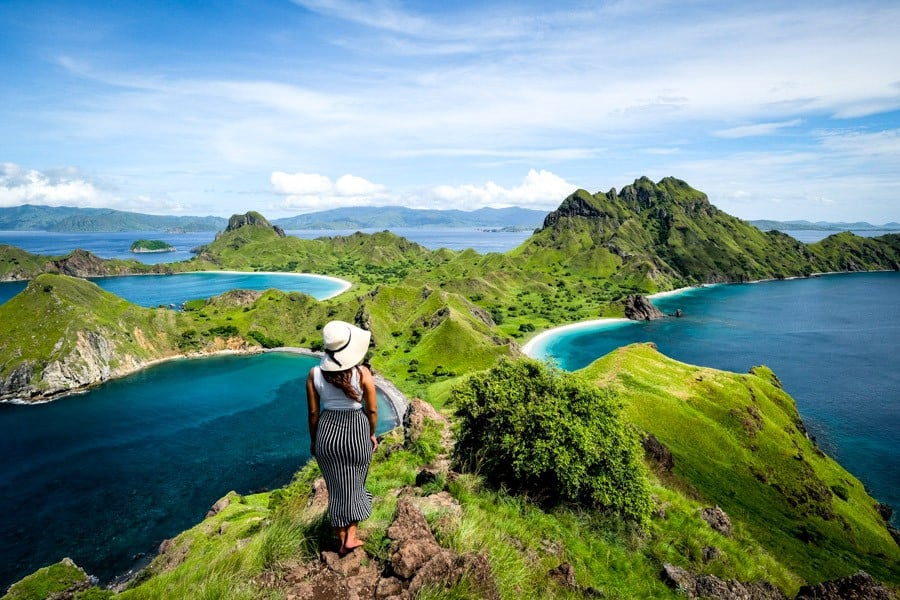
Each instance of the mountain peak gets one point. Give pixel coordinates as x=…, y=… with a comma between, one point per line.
x=252, y=218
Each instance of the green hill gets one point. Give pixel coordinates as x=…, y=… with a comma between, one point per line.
x=738, y=442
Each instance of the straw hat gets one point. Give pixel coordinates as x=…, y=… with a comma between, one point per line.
x=345, y=345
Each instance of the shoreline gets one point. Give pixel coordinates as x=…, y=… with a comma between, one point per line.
x=394, y=396
x=344, y=284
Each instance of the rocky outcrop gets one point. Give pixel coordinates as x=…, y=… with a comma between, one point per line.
x=658, y=452
x=87, y=363
x=414, y=561
x=638, y=308
x=79, y=263
x=717, y=519
x=711, y=587
x=859, y=586
x=252, y=218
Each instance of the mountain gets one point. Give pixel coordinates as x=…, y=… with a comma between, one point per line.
x=30, y=217
x=388, y=217
x=767, y=225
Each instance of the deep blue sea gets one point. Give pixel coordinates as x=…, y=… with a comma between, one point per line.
x=105, y=476
x=834, y=341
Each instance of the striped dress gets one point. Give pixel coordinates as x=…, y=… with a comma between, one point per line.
x=344, y=452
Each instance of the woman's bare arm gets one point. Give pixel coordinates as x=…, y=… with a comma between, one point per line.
x=312, y=406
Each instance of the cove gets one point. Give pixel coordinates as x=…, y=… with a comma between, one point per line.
x=832, y=340
x=105, y=476
x=165, y=290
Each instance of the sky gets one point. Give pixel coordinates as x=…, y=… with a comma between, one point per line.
x=776, y=110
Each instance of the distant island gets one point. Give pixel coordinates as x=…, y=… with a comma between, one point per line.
x=142, y=246
x=769, y=225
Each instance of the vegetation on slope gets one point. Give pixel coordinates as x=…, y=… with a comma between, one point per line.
x=738, y=441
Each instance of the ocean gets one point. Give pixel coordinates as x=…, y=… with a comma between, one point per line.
x=105, y=476
x=833, y=341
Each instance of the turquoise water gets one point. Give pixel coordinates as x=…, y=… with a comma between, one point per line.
x=834, y=341
x=165, y=290
x=105, y=476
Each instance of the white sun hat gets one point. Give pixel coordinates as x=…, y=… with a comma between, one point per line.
x=345, y=345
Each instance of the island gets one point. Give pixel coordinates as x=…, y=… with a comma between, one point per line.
x=141, y=246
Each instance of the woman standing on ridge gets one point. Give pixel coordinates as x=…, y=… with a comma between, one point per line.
x=343, y=414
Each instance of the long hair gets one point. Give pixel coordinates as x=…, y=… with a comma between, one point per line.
x=344, y=381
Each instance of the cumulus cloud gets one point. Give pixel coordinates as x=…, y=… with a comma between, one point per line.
x=540, y=189
x=22, y=186
x=313, y=192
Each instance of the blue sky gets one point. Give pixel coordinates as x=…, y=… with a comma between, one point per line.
x=776, y=110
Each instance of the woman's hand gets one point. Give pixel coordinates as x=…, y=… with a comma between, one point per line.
x=374, y=442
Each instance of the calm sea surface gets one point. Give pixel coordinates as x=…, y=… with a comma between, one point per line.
x=834, y=341
x=107, y=475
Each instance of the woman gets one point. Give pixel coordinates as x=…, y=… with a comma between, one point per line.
x=343, y=413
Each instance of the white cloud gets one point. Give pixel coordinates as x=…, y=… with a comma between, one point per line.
x=314, y=192
x=540, y=189
x=757, y=129
x=21, y=186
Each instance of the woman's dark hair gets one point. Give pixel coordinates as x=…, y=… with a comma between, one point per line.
x=344, y=381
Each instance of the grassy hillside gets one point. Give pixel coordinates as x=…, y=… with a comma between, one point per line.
x=738, y=442
x=64, y=328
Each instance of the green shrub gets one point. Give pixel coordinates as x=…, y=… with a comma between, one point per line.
x=841, y=492
x=264, y=340
x=551, y=435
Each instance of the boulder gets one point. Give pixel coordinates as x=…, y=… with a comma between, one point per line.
x=712, y=588
x=658, y=452
x=859, y=586
x=638, y=308
x=718, y=519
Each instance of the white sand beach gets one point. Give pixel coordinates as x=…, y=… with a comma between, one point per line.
x=531, y=344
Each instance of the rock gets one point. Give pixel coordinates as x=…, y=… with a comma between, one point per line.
x=426, y=476
x=658, y=452
x=412, y=545
x=717, y=519
x=564, y=575
x=416, y=557
x=638, y=308
x=220, y=505
x=678, y=313
x=711, y=587
x=18, y=383
x=319, y=496
x=859, y=586
x=79, y=263
x=884, y=510
x=710, y=553
x=414, y=420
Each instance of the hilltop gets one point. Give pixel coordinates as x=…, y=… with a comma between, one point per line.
x=726, y=440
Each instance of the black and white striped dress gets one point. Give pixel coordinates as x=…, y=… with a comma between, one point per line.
x=344, y=452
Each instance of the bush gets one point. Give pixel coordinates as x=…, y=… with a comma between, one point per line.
x=552, y=435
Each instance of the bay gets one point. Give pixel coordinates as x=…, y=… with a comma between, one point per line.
x=104, y=476
x=173, y=290
x=832, y=340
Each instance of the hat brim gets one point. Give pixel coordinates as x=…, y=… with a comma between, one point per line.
x=350, y=356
